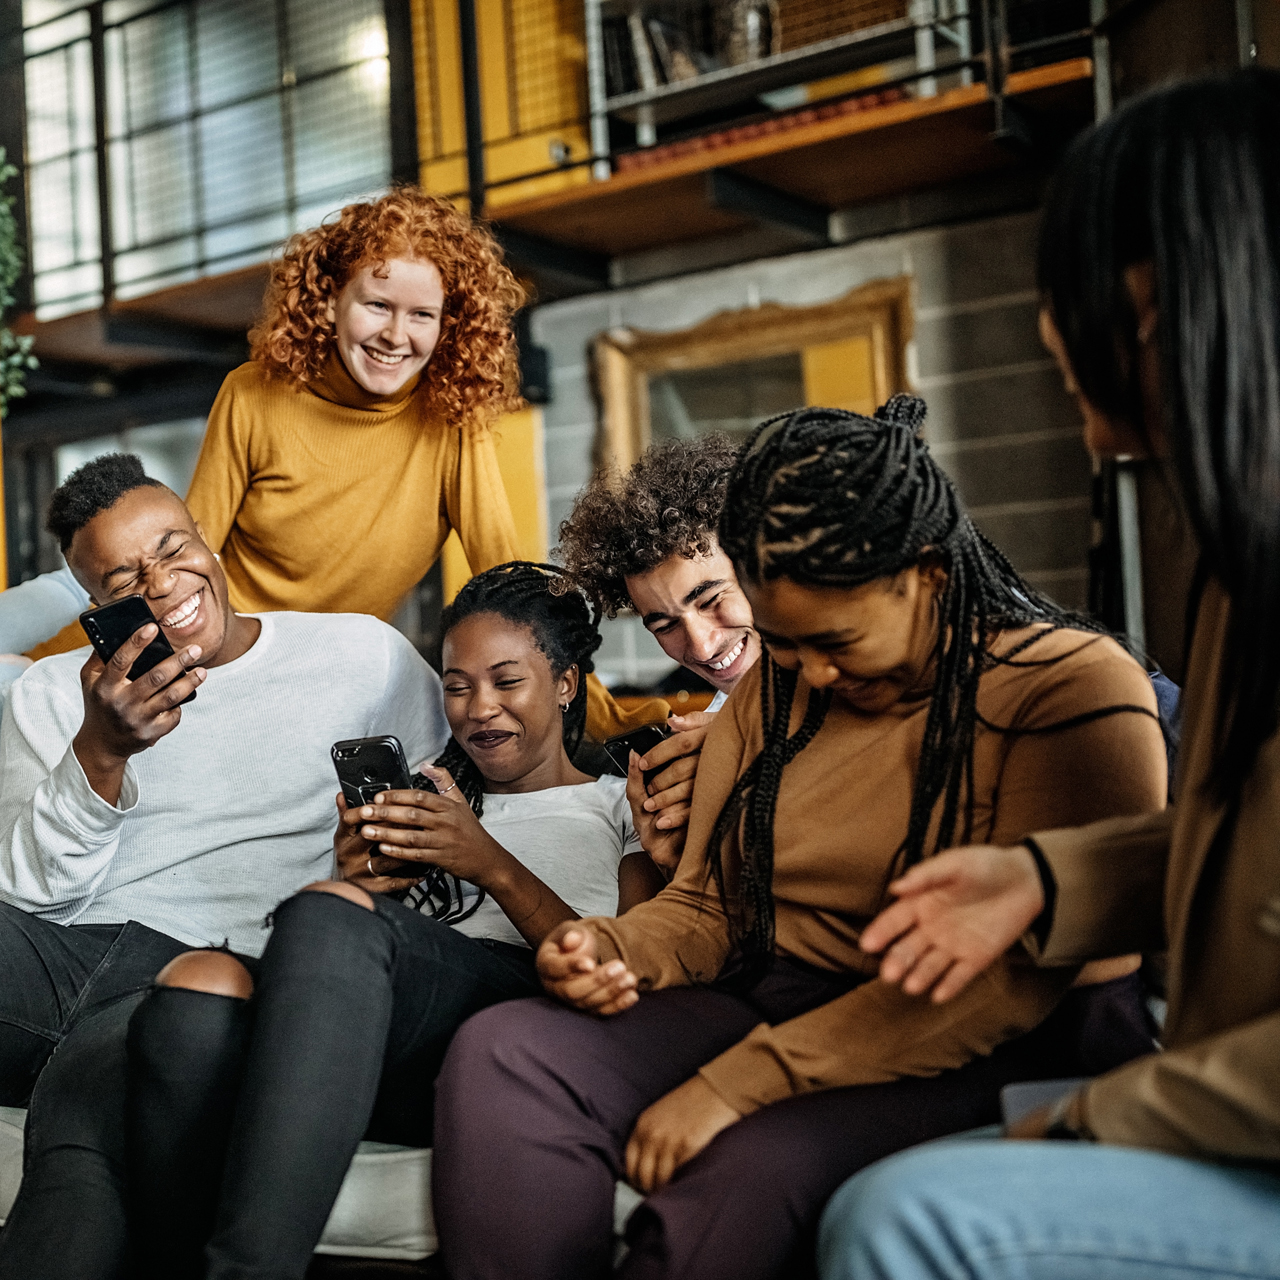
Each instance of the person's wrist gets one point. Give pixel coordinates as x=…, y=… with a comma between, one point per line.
x=1048, y=887
x=95, y=756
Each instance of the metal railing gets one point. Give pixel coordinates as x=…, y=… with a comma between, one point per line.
x=171, y=138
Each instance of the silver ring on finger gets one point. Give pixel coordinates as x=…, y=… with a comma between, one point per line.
x=449, y=788
x=368, y=862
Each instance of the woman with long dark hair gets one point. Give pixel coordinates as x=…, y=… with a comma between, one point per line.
x=1160, y=271
x=915, y=693
x=245, y=1113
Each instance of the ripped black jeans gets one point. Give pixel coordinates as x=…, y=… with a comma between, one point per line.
x=66, y=996
x=243, y=1116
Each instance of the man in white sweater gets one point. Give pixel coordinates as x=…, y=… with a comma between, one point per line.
x=133, y=827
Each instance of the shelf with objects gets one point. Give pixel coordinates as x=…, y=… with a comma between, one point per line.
x=707, y=118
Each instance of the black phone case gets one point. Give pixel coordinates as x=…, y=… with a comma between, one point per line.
x=110, y=625
x=621, y=745
x=367, y=766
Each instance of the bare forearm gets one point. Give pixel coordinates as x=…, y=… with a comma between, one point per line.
x=528, y=903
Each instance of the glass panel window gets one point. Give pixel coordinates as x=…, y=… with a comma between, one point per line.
x=230, y=123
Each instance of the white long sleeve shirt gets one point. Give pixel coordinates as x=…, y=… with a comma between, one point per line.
x=226, y=815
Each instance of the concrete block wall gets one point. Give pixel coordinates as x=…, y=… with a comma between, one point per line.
x=999, y=420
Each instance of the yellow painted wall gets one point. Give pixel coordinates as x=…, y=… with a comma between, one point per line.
x=841, y=375
x=521, y=454
x=532, y=92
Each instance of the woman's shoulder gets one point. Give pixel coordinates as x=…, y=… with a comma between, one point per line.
x=255, y=380
x=1043, y=675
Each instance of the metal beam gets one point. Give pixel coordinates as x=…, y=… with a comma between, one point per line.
x=403, y=102
x=735, y=193
x=126, y=329
x=535, y=254
x=470, y=49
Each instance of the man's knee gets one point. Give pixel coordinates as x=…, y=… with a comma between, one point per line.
x=341, y=889
x=214, y=972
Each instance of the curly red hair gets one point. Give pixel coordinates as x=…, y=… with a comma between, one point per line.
x=472, y=374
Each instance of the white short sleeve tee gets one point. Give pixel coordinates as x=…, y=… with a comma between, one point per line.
x=571, y=838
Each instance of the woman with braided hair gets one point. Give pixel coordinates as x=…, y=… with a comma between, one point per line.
x=245, y=1113
x=915, y=693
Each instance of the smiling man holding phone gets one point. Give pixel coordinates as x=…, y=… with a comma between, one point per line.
x=647, y=541
x=136, y=824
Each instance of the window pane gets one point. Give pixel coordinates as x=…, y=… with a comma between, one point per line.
x=242, y=160
x=324, y=34
x=152, y=180
x=341, y=139
x=236, y=41
x=151, y=55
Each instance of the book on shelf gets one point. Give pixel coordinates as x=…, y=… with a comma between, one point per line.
x=619, y=60
x=676, y=55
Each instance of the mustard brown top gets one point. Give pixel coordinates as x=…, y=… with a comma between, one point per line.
x=322, y=497
x=1208, y=889
x=841, y=816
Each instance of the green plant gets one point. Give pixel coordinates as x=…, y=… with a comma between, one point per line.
x=15, y=352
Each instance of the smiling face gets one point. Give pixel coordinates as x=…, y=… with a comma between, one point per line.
x=503, y=702
x=148, y=544
x=869, y=645
x=387, y=324
x=698, y=614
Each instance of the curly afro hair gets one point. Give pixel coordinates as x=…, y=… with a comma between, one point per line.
x=472, y=375
x=91, y=489
x=667, y=505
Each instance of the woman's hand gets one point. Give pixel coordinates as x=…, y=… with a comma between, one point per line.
x=570, y=972
x=672, y=1131
x=356, y=860
x=670, y=794
x=955, y=914
x=664, y=847
x=422, y=827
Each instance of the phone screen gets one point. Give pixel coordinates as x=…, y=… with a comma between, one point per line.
x=647, y=736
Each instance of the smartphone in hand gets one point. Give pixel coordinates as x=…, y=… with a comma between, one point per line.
x=110, y=625
x=367, y=766
x=640, y=740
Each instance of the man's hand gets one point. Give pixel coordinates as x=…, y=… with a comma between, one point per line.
x=123, y=717
x=663, y=847
x=677, y=758
x=356, y=858
x=672, y=1131
x=955, y=914
x=569, y=971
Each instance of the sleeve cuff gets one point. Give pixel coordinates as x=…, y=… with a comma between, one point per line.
x=80, y=806
x=749, y=1075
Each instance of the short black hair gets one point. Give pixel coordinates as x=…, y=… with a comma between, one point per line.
x=668, y=504
x=93, y=488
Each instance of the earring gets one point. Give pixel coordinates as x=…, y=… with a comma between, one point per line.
x=564, y=707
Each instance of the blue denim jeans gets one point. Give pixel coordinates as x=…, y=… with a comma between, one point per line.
x=993, y=1210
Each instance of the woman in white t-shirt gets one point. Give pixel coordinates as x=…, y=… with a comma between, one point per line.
x=249, y=1093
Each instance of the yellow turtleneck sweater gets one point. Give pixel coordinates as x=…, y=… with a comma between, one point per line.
x=326, y=498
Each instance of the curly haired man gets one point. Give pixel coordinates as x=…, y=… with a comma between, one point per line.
x=647, y=541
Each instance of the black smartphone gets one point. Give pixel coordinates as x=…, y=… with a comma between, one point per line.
x=621, y=745
x=367, y=766
x=110, y=625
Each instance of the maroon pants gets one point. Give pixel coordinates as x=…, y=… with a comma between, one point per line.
x=536, y=1102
